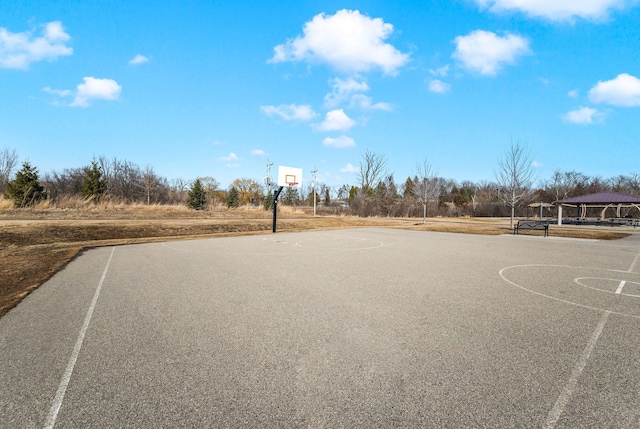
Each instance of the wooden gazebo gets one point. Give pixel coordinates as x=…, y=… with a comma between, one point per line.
x=603, y=200
x=541, y=206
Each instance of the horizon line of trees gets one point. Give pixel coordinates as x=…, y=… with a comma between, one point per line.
x=376, y=194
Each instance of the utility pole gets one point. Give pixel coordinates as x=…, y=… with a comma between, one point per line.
x=268, y=178
x=314, y=171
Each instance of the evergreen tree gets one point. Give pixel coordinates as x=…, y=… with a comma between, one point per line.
x=353, y=194
x=291, y=196
x=197, y=197
x=409, y=189
x=233, y=198
x=94, y=185
x=268, y=201
x=25, y=190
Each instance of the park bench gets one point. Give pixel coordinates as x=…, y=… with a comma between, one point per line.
x=533, y=225
x=626, y=221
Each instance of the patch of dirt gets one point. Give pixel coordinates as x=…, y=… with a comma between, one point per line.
x=24, y=268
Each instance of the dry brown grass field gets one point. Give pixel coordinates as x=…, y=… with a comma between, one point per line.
x=35, y=243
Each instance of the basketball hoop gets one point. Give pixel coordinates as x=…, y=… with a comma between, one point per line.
x=289, y=177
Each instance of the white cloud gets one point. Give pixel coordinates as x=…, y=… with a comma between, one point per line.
x=335, y=120
x=54, y=32
x=58, y=92
x=91, y=89
x=574, y=93
x=442, y=71
x=342, y=90
x=258, y=152
x=290, y=112
x=96, y=89
x=339, y=142
x=486, y=53
x=623, y=91
x=366, y=103
x=231, y=157
x=350, y=169
x=19, y=50
x=138, y=59
x=351, y=90
x=438, y=86
x=536, y=164
x=347, y=41
x=233, y=165
x=583, y=115
x=558, y=10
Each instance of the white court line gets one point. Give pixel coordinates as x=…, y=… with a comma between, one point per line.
x=501, y=273
x=565, y=395
x=619, y=290
x=62, y=388
x=635, y=261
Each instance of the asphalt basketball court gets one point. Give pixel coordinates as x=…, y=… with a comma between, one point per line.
x=348, y=328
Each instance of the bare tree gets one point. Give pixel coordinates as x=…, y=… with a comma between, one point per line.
x=124, y=180
x=627, y=184
x=425, y=186
x=372, y=170
x=515, y=175
x=65, y=183
x=249, y=190
x=597, y=184
x=8, y=162
x=563, y=184
x=149, y=182
x=343, y=193
x=107, y=167
x=473, y=193
x=487, y=197
x=210, y=183
x=633, y=183
x=212, y=188
x=179, y=189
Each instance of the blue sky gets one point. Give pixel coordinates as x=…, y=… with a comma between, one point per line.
x=213, y=88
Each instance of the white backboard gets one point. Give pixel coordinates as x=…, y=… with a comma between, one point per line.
x=289, y=177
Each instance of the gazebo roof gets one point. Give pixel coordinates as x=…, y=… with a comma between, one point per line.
x=603, y=198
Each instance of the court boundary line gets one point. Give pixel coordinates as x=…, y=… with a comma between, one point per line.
x=567, y=392
x=501, y=274
x=66, y=377
x=633, y=264
x=572, y=383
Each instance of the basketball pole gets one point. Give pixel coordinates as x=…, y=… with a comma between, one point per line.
x=314, y=171
x=276, y=194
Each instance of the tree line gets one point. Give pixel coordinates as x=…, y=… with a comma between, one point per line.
x=376, y=193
